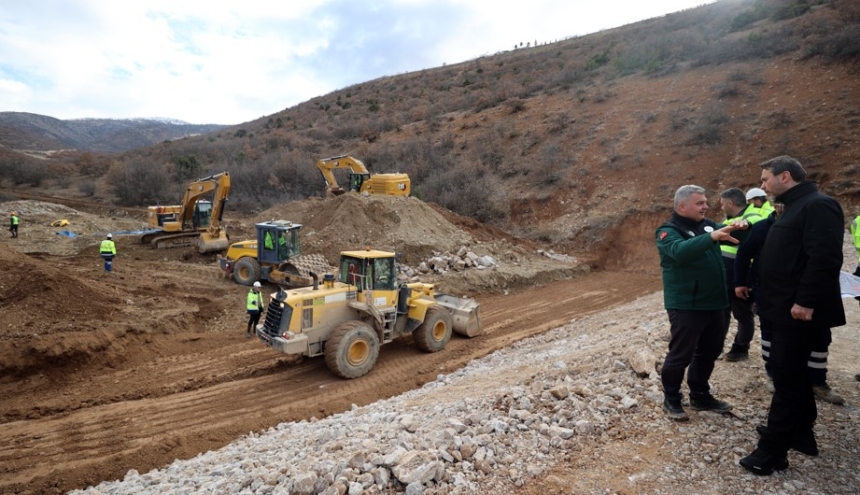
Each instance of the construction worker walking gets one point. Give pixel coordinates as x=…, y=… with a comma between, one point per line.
x=13, y=224
x=254, y=307
x=107, y=250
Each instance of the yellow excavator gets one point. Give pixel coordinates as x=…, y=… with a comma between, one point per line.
x=197, y=220
x=360, y=180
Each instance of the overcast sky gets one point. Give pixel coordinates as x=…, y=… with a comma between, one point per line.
x=228, y=62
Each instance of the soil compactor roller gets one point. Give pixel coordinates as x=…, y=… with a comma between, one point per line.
x=274, y=256
x=351, y=315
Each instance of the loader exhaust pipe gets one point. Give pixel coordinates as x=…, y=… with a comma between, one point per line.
x=316, y=280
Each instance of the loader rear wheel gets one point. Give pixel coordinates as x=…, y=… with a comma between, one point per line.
x=435, y=332
x=246, y=271
x=352, y=349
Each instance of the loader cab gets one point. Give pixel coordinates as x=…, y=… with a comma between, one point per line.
x=277, y=241
x=368, y=270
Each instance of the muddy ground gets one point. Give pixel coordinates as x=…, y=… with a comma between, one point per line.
x=101, y=373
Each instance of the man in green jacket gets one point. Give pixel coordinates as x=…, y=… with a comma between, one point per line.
x=696, y=299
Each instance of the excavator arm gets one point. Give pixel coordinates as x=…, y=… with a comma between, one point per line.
x=358, y=173
x=220, y=184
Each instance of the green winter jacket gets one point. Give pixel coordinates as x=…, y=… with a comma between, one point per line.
x=694, y=275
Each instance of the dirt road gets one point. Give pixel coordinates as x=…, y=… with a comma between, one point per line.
x=149, y=398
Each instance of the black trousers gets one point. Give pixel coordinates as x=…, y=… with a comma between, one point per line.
x=696, y=342
x=743, y=312
x=253, y=319
x=792, y=408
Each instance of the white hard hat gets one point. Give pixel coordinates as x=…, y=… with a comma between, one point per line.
x=109, y=236
x=257, y=285
x=755, y=193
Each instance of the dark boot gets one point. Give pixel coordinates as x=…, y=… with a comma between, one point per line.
x=709, y=403
x=804, y=442
x=737, y=353
x=763, y=463
x=674, y=409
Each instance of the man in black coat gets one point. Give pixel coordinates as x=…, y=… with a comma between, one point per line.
x=799, y=270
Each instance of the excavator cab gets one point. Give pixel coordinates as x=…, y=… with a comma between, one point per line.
x=202, y=216
x=356, y=180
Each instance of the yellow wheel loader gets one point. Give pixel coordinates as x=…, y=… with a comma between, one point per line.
x=274, y=256
x=360, y=180
x=196, y=220
x=352, y=314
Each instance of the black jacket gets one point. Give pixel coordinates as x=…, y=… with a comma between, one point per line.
x=749, y=254
x=801, y=259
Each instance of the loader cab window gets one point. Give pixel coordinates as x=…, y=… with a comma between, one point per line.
x=383, y=270
x=353, y=271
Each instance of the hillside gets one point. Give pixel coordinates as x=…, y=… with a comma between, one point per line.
x=571, y=142
x=27, y=131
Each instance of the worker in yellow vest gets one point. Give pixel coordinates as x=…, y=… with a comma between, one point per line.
x=254, y=307
x=757, y=199
x=107, y=250
x=13, y=224
x=734, y=205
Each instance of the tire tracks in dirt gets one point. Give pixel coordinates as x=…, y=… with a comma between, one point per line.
x=214, y=395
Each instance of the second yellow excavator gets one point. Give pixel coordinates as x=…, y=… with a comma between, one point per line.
x=195, y=220
x=360, y=180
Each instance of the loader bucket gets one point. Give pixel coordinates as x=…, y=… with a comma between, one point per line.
x=209, y=243
x=464, y=312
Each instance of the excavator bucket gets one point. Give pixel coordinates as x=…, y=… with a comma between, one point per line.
x=464, y=312
x=211, y=243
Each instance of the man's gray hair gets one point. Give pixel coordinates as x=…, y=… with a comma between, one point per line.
x=788, y=164
x=683, y=194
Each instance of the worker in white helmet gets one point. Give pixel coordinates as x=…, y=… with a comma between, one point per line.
x=757, y=198
x=254, y=307
x=107, y=250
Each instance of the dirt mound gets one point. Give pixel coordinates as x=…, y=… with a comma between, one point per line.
x=40, y=301
x=403, y=224
x=419, y=231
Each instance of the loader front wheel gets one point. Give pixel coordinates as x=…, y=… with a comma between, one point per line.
x=246, y=271
x=435, y=332
x=352, y=349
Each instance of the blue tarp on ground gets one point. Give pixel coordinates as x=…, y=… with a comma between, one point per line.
x=67, y=233
x=134, y=232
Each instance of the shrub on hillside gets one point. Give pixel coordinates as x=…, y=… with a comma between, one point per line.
x=87, y=187
x=842, y=44
x=709, y=127
x=24, y=171
x=93, y=165
x=141, y=182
